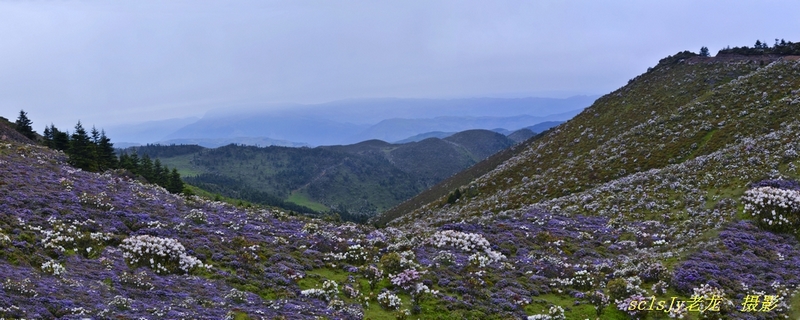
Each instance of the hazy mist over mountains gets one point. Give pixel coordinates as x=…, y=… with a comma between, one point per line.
x=348, y=121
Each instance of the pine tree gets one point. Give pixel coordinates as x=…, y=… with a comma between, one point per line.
x=47, y=136
x=135, y=163
x=704, y=51
x=81, y=150
x=160, y=173
x=125, y=161
x=175, y=184
x=146, y=168
x=106, y=157
x=60, y=139
x=24, y=125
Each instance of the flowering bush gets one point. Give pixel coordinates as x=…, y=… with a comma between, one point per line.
x=634, y=300
x=22, y=287
x=120, y=303
x=163, y=255
x=555, y=313
x=598, y=300
x=469, y=242
x=197, y=216
x=236, y=296
x=69, y=236
x=137, y=280
x=583, y=280
x=372, y=273
x=405, y=279
x=776, y=209
x=706, y=293
x=389, y=300
x=99, y=201
x=53, y=267
x=329, y=291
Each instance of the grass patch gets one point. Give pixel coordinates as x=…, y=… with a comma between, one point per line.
x=301, y=198
x=184, y=165
x=541, y=305
x=794, y=307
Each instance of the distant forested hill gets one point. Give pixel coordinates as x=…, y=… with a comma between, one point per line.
x=353, y=180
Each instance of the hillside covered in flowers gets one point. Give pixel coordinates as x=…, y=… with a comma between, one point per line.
x=679, y=187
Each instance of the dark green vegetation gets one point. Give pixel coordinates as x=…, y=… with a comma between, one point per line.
x=354, y=181
x=23, y=125
x=152, y=171
x=781, y=47
x=93, y=151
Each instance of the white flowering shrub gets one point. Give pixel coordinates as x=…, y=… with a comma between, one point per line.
x=22, y=287
x=775, y=209
x=389, y=300
x=329, y=291
x=4, y=239
x=100, y=201
x=121, y=303
x=555, y=313
x=463, y=240
x=469, y=242
x=197, y=216
x=706, y=293
x=445, y=257
x=163, y=255
x=237, y=296
x=53, y=267
x=137, y=280
x=68, y=236
x=583, y=280
x=311, y=228
x=356, y=254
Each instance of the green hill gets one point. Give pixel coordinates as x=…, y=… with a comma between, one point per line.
x=357, y=180
x=681, y=112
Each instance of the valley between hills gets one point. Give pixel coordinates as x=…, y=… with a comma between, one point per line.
x=680, y=186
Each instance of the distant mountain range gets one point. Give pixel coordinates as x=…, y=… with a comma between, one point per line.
x=348, y=121
x=518, y=135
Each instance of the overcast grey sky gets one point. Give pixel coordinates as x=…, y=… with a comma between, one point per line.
x=109, y=62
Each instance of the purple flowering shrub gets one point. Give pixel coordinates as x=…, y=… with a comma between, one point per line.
x=746, y=260
x=76, y=244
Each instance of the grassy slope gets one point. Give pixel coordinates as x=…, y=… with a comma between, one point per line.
x=693, y=136
x=672, y=114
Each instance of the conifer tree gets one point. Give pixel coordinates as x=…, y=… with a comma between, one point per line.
x=47, y=136
x=81, y=150
x=60, y=139
x=159, y=173
x=23, y=125
x=106, y=157
x=135, y=162
x=146, y=168
x=175, y=184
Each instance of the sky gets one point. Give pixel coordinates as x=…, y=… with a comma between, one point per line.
x=112, y=62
